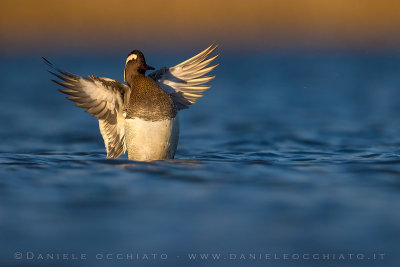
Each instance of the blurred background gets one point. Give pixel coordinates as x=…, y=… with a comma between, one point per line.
x=69, y=26
x=294, y=149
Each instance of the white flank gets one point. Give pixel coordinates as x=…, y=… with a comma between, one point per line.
x=151, y=140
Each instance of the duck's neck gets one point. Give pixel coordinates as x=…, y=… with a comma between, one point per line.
x=131, y=78
x=131, y=72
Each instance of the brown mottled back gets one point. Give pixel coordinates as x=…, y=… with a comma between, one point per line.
x=148, y=101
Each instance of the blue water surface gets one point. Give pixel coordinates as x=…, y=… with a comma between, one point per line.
x=286, y=153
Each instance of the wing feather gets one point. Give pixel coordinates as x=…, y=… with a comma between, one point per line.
x=101, y=97
x=185, y=82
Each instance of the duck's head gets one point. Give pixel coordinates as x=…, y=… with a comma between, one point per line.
x=135, y=64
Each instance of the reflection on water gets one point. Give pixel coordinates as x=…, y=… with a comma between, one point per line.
x=300, y=154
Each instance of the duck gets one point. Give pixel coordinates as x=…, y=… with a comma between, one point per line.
x=140, y=116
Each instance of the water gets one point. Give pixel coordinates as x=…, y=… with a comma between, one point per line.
x=286, y=153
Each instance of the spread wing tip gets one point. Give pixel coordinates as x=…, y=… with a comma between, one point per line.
x=47, y=62
x=187, y=81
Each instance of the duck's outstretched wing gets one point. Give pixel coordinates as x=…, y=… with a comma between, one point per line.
x=186, y=81
x=101, y=97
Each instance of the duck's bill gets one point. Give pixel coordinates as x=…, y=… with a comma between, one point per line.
x=146, y=67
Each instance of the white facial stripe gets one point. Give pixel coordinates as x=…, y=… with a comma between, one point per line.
x=133, y=56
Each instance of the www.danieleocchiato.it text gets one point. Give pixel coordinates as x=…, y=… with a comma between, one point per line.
x=41, y=256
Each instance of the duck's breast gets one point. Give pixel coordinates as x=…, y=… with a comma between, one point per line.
x=151, y=140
